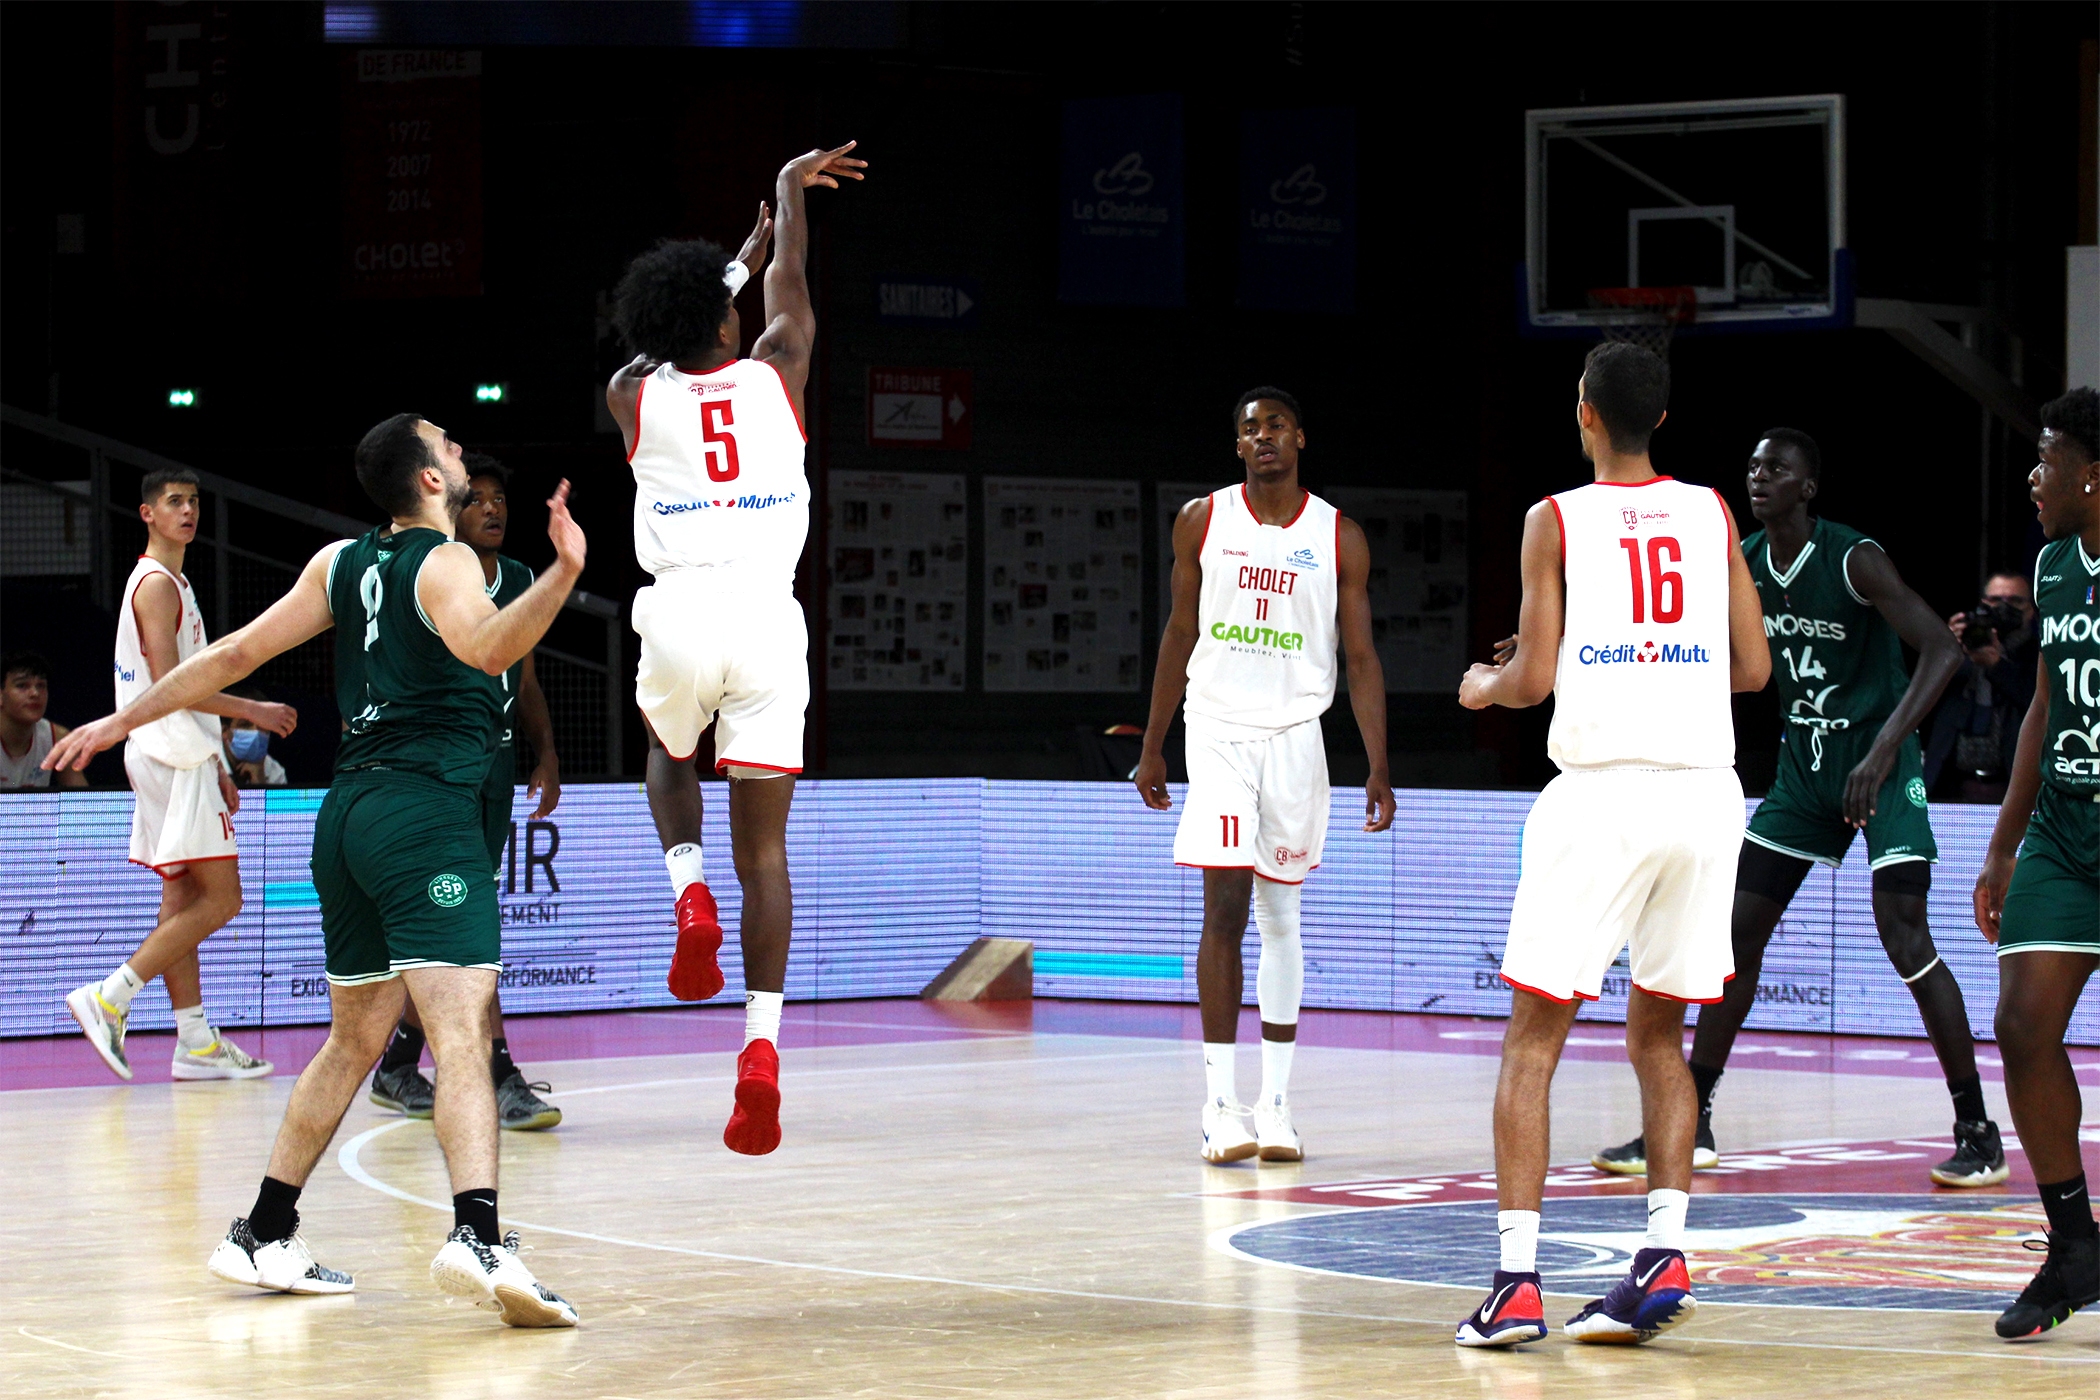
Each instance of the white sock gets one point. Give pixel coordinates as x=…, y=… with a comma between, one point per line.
x=191, y=1027
x=1276, y=1068
x=1666, y=1219
x=121, y=986
x=762, y=1016
x=1520, y=1240
x=1217, y=1072
x=1279, y=979
x=684, y=864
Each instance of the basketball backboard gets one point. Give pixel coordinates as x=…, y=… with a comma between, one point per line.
x=1742, y=201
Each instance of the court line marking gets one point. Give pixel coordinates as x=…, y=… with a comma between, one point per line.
x=89, y=1351
x=347, y=1159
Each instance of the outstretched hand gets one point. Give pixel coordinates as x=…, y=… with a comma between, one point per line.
x=563, y=530
x=753, y=253
x=83, y=743
x=819, y=167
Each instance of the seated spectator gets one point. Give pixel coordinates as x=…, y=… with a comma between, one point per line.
x=25, y=735
x=247, y=748
x=1972, y=735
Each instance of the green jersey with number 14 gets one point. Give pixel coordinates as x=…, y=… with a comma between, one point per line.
x=1838, y=665
x=2066, y=579
x=410, y=704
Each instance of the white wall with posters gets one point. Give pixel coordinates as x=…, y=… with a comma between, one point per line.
x=1417, y=584
x=896, y=617
x=1063, y=566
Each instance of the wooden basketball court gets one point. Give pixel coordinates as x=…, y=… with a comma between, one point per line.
x=968, y=1203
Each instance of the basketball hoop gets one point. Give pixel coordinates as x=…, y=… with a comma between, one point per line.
x=1645, y=316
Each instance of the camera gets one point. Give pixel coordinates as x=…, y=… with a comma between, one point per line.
x=1990, y=622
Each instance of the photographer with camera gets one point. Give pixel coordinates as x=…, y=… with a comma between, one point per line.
x=1970, y=743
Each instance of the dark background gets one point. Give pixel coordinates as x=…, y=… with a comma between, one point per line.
x=607, y=127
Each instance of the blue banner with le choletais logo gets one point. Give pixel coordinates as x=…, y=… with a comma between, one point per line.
x=1298, y=211
x=1120, y=218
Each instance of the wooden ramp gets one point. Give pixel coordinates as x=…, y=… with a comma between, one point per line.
x=991, y=969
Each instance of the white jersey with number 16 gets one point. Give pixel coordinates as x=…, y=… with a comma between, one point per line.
x=718, y=474
x=1643, y=674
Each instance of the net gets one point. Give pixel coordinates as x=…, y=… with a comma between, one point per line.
x=1645, y=316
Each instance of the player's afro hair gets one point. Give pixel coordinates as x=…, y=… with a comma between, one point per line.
x=1266, y=391
x=672, y=301
x=1811, y=455
x=481, y=464
x=1629, y=386
x=2077, y=416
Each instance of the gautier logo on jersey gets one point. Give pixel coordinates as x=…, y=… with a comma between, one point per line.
x=1258, y=636
x=1669, y=653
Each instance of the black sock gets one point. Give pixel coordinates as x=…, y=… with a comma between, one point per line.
x=406, y=1048
x=500, y=1067
x=276, y=1212
x=477, y=1209
x=1968, y=1099
x=2070, y=1209
x=1704, y=1079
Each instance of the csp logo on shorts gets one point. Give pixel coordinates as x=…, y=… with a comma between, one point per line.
x=448, y=891
x=1915, y=791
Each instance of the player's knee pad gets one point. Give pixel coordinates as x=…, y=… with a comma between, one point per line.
x=1279, y=983
x=1774, y=875
x=1906, y=940
x=1904, y=877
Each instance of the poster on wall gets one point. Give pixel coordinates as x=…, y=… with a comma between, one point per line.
x=411, y=140
x=1062, y=570
x=899, y=590
x=1120, y=240
x=1417, y=584
x=1298, y=210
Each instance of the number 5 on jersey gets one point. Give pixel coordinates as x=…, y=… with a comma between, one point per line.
x=717, y=443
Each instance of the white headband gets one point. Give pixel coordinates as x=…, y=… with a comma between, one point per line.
x=735, y=276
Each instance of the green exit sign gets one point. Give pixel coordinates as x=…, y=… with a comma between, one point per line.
x=184, y=398
x=492, y=393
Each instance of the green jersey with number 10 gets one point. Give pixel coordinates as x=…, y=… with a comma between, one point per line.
x=410, y=704
x=1837, y=664
x=2066, y=580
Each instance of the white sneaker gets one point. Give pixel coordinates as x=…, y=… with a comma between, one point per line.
x=281, y=1266
x=496, y=1279
x=103, y=1025
x=1225, y=1135
x=1273, y=1130
x=221, y=1059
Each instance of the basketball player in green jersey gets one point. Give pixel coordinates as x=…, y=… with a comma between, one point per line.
x=400, y=860
x=483, y=523
x=1849, y=760
x=2038, y=897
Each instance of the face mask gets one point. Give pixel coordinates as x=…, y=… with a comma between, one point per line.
x=249, y=745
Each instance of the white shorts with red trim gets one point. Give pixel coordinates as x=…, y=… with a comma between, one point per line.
x=1628, y=856
x=1255, y=804
x=715, y=654
x=178, y=816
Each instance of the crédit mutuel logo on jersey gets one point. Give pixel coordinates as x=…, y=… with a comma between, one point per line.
x=1644, y=653
x=751, y=502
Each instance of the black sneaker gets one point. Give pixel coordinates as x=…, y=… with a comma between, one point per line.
x=2068, y=1280
x=1631, y=1158
x=404, y=1090
x=520, y=1109
x=1978, y=1160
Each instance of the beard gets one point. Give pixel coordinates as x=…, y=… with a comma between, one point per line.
x=456, y=498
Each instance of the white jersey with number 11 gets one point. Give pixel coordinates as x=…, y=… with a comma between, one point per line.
x=1643, y=675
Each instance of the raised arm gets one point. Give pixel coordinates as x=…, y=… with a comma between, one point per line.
x=2022, y=786
x=298, y=616
x=1749, y=654
x=791, y=322
x=1366, y=676
x=454, y=596
x=1526, y=677
x=1873, y=577
x=1177, y=642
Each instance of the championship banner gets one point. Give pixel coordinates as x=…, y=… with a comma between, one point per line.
x=1298, y=211
x=1120, y=218
x=411, y=173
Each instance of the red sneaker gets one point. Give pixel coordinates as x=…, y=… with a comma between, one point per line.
x=754, y=1128
x=696, y=973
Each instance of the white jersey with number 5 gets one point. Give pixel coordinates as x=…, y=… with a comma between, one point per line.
x=1643, y=675
x=718, y=474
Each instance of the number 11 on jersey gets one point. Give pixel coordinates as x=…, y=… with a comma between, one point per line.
x=1228, y=831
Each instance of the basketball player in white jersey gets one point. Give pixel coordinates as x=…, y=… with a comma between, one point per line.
x=1640, y=618
x=182, y=820
x=1268, y=579
x=721, y=512
x=25, y=735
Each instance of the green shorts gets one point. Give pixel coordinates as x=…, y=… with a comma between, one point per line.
x=2054, y=902
x=498, y=791
x=1804, y=813
x=403, y=873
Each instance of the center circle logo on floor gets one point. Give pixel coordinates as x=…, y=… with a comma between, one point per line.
x=1912, y=1252
x=447, y=891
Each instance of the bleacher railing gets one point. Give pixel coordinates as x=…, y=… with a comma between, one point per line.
x=250, y=547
